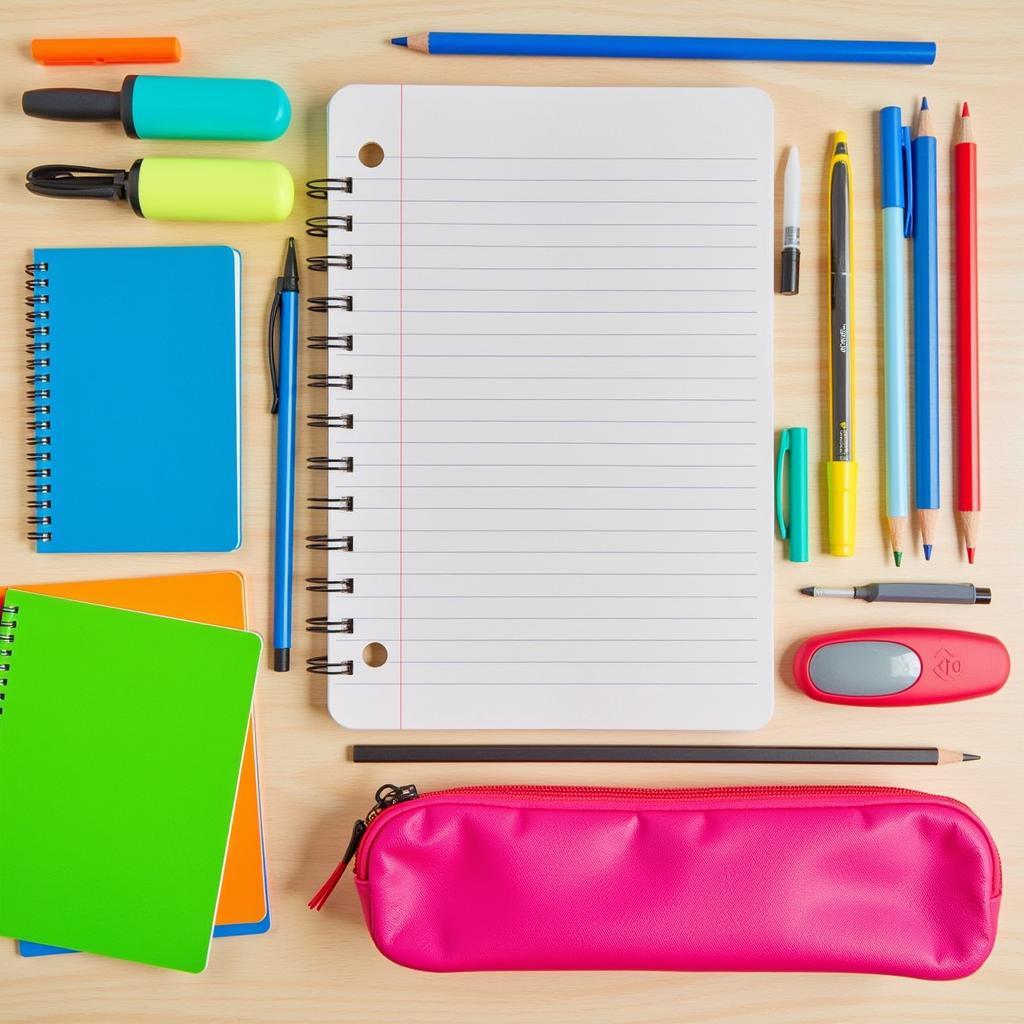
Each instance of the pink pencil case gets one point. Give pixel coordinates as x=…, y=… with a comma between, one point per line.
x=858, y=879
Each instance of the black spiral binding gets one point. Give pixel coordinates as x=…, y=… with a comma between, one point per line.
x=322, y=227
x=40, y=454
x=7, y=624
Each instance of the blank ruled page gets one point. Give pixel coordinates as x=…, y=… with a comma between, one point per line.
x=559, y=500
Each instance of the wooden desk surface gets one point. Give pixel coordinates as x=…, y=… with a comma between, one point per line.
x=311, y=967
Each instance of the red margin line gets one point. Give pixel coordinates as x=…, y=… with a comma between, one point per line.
x=401, y=397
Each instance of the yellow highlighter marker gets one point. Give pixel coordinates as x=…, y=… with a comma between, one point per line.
x=841, y=469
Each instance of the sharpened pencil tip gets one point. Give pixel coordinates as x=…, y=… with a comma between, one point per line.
x=809, y=591
x=897, y=557
x=970, y=556
x=400, y=41
x=966, y=111
x=972, y=757
x=924, y=102
x=927, y=552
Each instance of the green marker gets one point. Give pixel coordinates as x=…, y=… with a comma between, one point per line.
x=794, y=441
x=178, y=188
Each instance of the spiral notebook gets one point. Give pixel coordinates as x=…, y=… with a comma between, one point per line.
x=134, y=384
x=117, y=845
x=549, y=423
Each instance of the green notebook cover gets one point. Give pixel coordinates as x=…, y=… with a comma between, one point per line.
x=121, y=738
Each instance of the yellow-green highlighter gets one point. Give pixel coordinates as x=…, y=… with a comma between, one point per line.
x=793, y=441
x=178, y=188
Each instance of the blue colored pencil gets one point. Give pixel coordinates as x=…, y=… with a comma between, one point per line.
x=926, y=329
x=514, y=44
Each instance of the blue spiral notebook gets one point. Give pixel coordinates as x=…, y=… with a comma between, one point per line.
x=135, y=399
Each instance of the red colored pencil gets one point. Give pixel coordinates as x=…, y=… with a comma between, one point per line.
x=968, y=437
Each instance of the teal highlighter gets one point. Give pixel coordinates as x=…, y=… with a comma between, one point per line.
x=793, y=442
x=173, y=107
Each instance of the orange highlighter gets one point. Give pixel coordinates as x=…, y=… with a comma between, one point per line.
x=146, y=50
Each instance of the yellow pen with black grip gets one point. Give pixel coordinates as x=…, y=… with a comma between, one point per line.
x=841, y=468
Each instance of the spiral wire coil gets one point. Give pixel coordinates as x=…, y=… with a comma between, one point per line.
x=40, y=454
x=323, y=227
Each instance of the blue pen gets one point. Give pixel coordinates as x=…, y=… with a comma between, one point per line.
x=514, y=44
x=897, y=224
x=926, y=329
x=284, y=314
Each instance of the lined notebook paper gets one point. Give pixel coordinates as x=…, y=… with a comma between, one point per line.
x=559, y=496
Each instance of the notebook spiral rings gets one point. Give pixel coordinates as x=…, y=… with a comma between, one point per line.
x=40, y=517
x=321, y=227
x=7, y=625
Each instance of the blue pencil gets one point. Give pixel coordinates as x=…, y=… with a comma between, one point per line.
x=513, y=44
x=926, y=329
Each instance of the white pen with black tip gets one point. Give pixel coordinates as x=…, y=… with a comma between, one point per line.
x=789, y=283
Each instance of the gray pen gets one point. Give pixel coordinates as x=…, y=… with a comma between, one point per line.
x=909, y=593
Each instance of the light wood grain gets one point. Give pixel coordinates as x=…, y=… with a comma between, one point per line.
x=319, y=968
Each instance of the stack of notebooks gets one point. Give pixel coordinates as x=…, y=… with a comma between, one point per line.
x=130, y=824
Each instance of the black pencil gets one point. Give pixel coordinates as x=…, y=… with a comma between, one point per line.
x=404, y=753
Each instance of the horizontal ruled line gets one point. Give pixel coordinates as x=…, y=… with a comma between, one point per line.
x=532, y=420
x=560, y=398
x=557, y=465
x=603, y=291
x=559, y=597
x=554, y=156
x=414, y=529
x=497, y=573
x=548, y=270
x=349, y=682
x=547, y=508
x=559, y=618
x=559, y=334
x=597, y=181
x=546, y=377
x=598, y=661
x=407, y=201
x=549, y=551
x=698, y=444
x=567, y=312
x=358, y=223
x=559, y=487
x=566, y=640
x=540, y=245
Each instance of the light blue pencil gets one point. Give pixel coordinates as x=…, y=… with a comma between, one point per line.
x=897, y=224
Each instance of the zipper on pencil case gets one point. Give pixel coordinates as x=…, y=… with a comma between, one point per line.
x=389, y=796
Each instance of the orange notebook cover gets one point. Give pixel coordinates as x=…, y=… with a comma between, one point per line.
x=218, y=599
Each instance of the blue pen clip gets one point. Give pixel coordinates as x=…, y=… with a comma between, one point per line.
x=907, y=166
x=897, y=179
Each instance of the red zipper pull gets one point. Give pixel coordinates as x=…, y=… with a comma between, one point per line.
x=325, y=890
x=387, y=796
